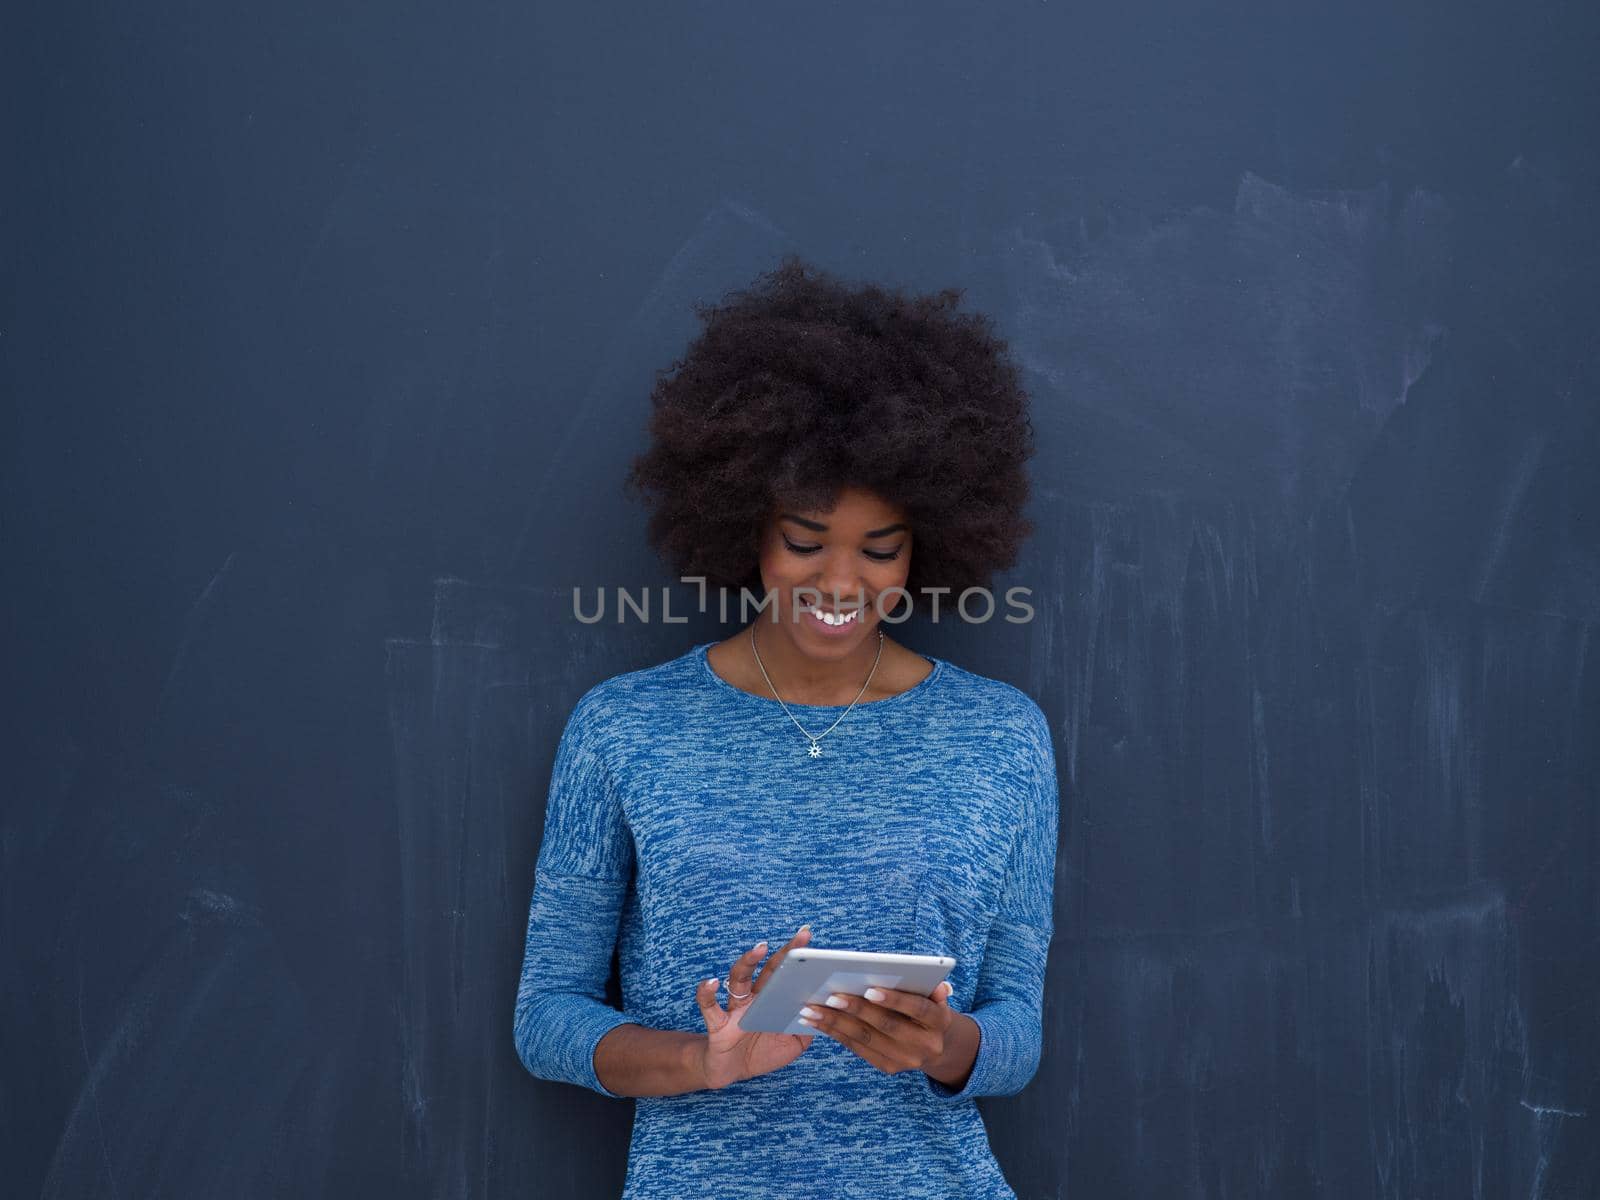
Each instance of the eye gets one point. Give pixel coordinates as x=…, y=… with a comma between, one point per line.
x=874, y=555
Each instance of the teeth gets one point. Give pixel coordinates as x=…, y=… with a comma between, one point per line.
x=829, y=618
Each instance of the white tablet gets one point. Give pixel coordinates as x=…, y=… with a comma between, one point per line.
x=810, y=976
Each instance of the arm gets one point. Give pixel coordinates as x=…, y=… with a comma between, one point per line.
x=1005, y=1022
x=580, y=882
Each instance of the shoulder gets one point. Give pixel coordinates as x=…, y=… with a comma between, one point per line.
x=612, y=713
x=996, y=702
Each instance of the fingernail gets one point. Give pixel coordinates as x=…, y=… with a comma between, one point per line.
x=803, y=928
x=758, y=946
x=873, y=994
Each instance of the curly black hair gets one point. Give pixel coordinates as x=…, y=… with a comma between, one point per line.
x=800, y=385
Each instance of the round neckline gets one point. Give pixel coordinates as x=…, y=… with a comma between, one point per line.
x=915, y=689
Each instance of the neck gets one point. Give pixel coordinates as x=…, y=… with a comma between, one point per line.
x=800, y=677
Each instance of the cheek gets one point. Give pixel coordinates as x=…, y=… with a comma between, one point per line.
x=777, y=567
x=771, y=556
x=892, y=574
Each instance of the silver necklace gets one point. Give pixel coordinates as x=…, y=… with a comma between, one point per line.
x=815, y=750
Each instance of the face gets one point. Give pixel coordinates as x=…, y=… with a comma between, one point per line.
x=849, y=554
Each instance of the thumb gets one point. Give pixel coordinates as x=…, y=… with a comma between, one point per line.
x=944, y=991
x=705, y=995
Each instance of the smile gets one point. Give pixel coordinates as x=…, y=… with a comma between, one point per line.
x=844, y=617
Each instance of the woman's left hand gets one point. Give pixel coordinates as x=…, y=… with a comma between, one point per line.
x=902, y=1031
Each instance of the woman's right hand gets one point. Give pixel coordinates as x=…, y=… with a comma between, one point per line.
x=731, y=1054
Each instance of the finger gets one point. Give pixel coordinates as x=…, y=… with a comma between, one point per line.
x=871, y=1021
x=801, y=938
x=864, y=1041
x=739, y=976
x=930, y=1012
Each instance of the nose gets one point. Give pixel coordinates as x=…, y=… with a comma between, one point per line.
x=839, y=576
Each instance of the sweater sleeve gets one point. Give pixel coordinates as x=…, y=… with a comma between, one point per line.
x=1007, y=1003
x=580, y=881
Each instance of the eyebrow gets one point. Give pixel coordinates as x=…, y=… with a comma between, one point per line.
x=821, y=528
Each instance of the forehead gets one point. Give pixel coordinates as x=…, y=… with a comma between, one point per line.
x=854, y=507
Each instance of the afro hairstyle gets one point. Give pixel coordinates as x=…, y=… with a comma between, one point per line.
x=800, y=385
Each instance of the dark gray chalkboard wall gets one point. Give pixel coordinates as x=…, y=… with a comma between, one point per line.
x=327, y=335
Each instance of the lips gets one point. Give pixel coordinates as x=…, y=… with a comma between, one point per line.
x=832, y=612
x=838, y=627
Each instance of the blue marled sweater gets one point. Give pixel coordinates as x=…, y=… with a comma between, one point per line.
x=685, y=816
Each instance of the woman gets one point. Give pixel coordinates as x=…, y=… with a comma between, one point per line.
x=809, y=770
